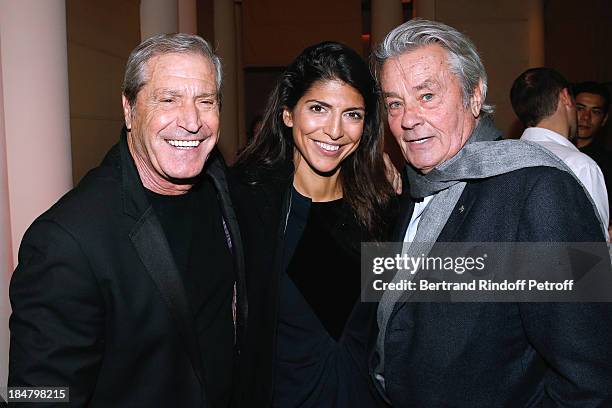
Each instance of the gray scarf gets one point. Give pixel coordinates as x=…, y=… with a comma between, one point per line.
x=482, y=156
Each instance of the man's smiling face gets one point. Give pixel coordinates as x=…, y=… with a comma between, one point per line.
x=425, y=106
x=174, y=122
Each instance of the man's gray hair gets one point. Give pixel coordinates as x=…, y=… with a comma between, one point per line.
x=135, y=70
x=463, y=59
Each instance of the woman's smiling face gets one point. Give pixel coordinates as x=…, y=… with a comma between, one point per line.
x=327, y=123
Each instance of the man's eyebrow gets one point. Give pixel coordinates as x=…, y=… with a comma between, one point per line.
x=592, y=107
x=175, y=93
x=167, y=91
x=207, y=95
x=427, y=84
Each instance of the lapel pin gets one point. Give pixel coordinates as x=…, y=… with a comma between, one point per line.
x=461, y=209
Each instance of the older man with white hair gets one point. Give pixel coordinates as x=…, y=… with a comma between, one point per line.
x=464, y=185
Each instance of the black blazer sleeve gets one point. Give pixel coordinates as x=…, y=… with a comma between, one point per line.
x=575, y=339
x=56, y=322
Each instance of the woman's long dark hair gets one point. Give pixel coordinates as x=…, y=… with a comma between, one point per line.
x=362, y=174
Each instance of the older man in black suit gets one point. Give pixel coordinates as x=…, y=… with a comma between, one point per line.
x=464, y=186
x=129, y=289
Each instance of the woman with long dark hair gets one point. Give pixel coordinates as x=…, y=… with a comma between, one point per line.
x=309, y=189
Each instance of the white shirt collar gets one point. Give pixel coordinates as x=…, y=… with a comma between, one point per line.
x=538, y=134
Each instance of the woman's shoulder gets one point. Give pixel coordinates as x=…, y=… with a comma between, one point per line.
x=392, y=209
x=260, y=178
x=257, y=191
x=386, y=219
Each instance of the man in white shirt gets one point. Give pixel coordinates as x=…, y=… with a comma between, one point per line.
x=543, y=102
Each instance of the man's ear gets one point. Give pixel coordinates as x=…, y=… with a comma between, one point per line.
x=287, y=117
x=565, y=98
x=476, y=100
x=605, y=119
x=127, y=112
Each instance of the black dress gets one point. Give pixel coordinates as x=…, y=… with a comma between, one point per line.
x=323, y=327
x=299, y=352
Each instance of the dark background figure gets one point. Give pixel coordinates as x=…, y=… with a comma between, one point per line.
x=592, y=105
x=543, y=101
x=308, y=191
x=125, y=288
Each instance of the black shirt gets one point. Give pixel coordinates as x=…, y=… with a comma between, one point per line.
x=193, y=225
x=321, y=358
x=325, y=264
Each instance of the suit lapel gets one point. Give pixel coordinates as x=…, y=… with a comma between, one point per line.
x=216, y=171
x=455, y=220
x=406, y=209
x=458, y=216
x=154, y=252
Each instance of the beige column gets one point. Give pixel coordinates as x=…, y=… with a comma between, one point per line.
x=225, y=37
x=386, y=15
x=34, y=78
x=6, y=256
x=36, y=111
x=187, y=16
x=157, y=17
x=535, y=21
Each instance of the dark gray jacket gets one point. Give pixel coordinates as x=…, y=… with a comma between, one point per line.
x=504, y=354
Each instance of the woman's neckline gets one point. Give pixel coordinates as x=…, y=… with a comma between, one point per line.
x=302, y=196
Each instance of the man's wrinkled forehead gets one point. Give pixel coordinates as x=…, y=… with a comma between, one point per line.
x=591, y=100
x=177, y=66
x=417, y=69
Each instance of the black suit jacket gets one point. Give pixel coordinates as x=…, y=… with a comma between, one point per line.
x=505, y=354
x=98, y=303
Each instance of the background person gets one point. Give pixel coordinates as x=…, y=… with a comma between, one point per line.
x=543, y=102
x=592, y=105
x=312, y=187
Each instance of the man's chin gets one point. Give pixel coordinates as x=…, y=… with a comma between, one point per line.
x=184, y=181
x=184, y=177
x=182, y=173
x=584, y=136
x=422, y=169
